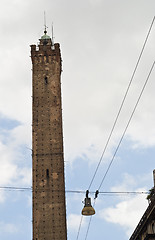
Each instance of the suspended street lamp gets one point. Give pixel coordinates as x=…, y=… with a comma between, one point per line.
x=88, y=210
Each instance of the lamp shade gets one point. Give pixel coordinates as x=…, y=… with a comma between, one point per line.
x=88, y=210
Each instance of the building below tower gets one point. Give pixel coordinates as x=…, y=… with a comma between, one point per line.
x=145, y=230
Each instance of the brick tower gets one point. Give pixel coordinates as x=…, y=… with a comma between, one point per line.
x=49, y=209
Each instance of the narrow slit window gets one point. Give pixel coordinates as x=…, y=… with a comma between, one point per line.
x=47, y=173
x=46, y=80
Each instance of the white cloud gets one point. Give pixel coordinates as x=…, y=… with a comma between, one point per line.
x=127, y=214
x=21, y=135
x=29, y=201
x=73, y=222
x=99, y=71
x=25, y=177
x=8, y=228
x=14, y=170
x=8, y=169
x=130, y=183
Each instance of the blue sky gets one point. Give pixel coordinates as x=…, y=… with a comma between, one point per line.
x=100, y=43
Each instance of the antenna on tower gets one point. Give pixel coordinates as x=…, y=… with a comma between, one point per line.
x=52, y=37
x=45, y=31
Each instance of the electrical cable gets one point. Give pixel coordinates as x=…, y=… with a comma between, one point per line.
x=9, y=188
x=79, y=228
x=90, y=219
x=16, y=188
x=27, y=188
x=127, y=125
x=122, y=137
x=122, y=103
x=121, y=106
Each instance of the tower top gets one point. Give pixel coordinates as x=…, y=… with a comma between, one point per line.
x=45, y=36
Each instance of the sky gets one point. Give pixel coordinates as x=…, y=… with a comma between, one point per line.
x=100, y=44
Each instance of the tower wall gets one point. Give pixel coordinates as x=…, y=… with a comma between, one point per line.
x=49, y=210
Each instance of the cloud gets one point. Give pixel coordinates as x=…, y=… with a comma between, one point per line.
x=21, y=135
x=29, y=201
x=100, y=58
x=25, y=175
x=8, y=228
x=8, y=169
x=73, y=222
x=127, y=214
x=14, y=169
x=130, y=182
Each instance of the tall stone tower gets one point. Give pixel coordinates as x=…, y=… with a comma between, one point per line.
x=49, y=209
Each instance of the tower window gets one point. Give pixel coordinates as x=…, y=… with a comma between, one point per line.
x=47, y=173
x=46, y=80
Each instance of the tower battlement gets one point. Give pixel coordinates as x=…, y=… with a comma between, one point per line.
x=46, y=53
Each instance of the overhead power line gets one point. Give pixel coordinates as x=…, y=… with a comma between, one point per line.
x=116, y=119
x=90, y=219
x=127, y=125
x=122, y=138
x=9, y=188
x=122, y=103
x=79, y=228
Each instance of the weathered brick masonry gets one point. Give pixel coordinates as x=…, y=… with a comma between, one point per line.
x=49, y=210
